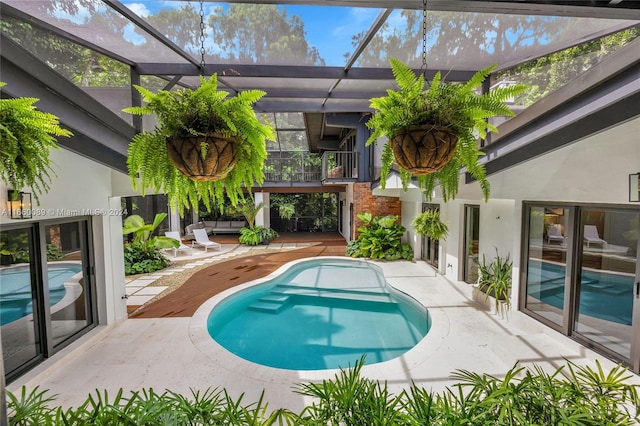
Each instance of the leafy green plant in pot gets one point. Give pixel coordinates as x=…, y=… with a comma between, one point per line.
x=432, y=129
x=206, y=144
x=495, y=279
x=428, y=223
x=27, y=136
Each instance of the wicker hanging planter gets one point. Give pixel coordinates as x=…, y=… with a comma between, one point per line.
x=186, y=154
x=424, y=149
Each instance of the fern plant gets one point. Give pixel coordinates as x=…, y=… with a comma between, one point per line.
x=452, y=105
x=27, y=135
x=428, y=223
x=198, y=112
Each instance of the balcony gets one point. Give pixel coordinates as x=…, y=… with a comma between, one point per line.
x=339, y=167
x=292, y=167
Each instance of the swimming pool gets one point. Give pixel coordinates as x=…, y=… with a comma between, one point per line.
x=603, y=295
x=15, y=289
x=319, y=314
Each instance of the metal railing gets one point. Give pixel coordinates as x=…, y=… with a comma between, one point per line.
x=340, y=166
x=292, y=166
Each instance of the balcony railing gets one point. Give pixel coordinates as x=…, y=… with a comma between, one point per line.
x=339, y=166
x=292, y=166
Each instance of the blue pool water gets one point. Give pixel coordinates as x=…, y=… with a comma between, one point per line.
x=15, y=289
x=319, y=314
x=603, y=295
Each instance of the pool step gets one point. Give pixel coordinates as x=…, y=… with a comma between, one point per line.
x=272, y=303
x=270, y=307
x=349, y=299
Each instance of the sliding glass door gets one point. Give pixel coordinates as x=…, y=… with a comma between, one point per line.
x=46, y=290
x=547, y=277
x=471, y=239
x=582, y=275
x=430, y=246
x=605, y=290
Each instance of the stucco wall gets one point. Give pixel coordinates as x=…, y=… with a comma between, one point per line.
x=81, y=187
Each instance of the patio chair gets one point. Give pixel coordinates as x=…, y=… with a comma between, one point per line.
x=554, y=233
x=202, y=239
x=176, y=236
x=591, y=236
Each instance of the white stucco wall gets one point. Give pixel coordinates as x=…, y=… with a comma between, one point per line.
x=81, y=187
x=593, y=170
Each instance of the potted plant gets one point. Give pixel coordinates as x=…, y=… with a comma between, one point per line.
x=494, y=280
x=432, y=130
x=27, y=135
x=428, y=223
x=205, y=144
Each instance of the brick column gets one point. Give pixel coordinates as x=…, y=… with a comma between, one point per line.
x=365, y=202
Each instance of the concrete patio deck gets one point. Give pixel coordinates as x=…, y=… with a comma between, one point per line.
x=177, y=354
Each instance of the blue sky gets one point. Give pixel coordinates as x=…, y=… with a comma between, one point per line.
x=329, y=29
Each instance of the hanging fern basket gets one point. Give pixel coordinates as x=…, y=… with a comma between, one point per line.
x=186, y=153
x=424, y=149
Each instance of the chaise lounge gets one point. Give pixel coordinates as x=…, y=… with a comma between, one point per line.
x=202, y=239
x=554, y=233
x=591, y=236
x=182, y=247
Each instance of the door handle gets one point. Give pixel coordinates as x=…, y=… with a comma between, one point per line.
x=637, y=289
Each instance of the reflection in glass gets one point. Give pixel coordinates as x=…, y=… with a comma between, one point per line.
x=607, y=269
x=431, y=246
x=547, y=262
x=19, y=325
x=472, y=236
x=67, y=285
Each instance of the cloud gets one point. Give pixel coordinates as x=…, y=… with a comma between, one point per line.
x=139, y=9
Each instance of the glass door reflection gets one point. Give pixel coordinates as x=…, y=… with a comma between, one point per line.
x=607, y=273
x=547, y=262
x=69, y=290
x=19, y=313
x=471, y=239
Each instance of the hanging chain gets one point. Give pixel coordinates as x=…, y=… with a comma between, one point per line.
x=202, y=51
x=424, y=39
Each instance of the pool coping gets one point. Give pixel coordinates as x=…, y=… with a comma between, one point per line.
x=419, y=354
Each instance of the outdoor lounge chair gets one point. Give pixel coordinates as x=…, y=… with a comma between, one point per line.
x=554, y=233
x=591, y=236
x=176, y=236
x=202, y=239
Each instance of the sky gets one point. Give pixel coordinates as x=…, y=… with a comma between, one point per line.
x=330, y=30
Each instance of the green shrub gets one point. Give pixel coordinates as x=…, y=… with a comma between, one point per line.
x=54, y=252
x=571, y=395
x=142, y=258
x=380, y=239
x=256, y=235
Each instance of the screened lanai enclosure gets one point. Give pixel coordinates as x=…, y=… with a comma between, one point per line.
x=320, y=63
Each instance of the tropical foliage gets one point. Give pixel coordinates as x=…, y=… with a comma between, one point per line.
x=452, y=105
x=27, y=135
x=428, y=223
x=380, y=238
x=198, y=112
x=142, y=254
x=495, y=279
x=256, y=235
x=252, y=234
x=569, y=395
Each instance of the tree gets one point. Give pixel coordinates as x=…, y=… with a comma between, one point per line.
x=261, y=33
x=546, y=74
x=451, y=40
